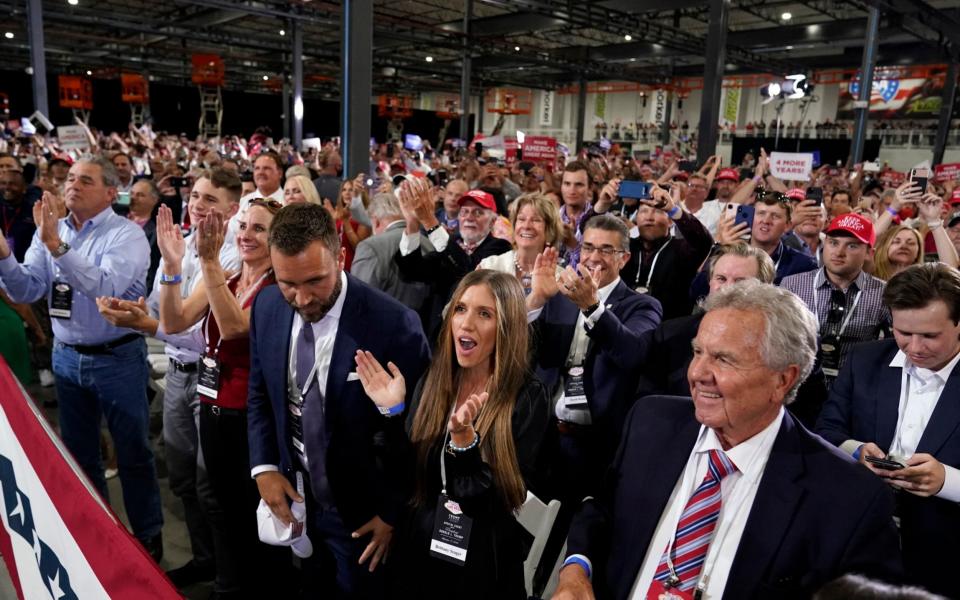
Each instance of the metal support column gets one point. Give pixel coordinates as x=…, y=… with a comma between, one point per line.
x=713, y=79
x=296, y=30
x=581, y=113
x=668, y=113
x=862, y=106
x=285, y=95
x=946, y=111
x=480, y=110
x=356, y=85
x=465, y=133
x=37, y=59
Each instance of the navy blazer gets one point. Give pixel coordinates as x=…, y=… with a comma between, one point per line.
x=864, y=405
x=611, y=367
x=359, y=437
x=816, y=515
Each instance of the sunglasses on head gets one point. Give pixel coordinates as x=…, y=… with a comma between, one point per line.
x=267, y=203
x=771, y=196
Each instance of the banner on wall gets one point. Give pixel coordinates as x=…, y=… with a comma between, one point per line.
x=894, y=98
x=58, y=539
x=547, y=99
x=731, y=108
x=600, y=105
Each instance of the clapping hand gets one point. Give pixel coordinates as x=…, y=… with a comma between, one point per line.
x=387, y=390
x=543, y=281
x=46, y=218
x=461, y=421
x=124, y=313
x=170, y=239
x=210, y=236
x=580, y=286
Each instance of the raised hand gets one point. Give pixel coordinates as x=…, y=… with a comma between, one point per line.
x=543, y=282
x=170, y=240
x=461, y=421
x=46, y=218
x=608, y=195
x=931, y=207
x=579, y=286
x=907, y=193
x=729, y=233
x=210, y=236
x=385, y=389
x=124, y=313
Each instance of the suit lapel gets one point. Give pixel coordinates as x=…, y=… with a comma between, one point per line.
x=777, y=499
x=345, y=345
x=945, y=418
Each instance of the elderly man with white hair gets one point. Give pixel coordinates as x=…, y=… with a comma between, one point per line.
x=729, y=496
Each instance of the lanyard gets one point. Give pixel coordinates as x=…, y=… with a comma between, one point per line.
x=856, y=301
x=776, y=265
x=443, y=465
x=653, y=265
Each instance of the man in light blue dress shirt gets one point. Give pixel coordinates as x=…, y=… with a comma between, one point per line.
x=99, y=369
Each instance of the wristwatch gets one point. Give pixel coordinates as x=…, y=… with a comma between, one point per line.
x=590, y=309
x=61, y=250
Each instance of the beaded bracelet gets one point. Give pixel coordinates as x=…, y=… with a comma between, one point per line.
x=454, y=448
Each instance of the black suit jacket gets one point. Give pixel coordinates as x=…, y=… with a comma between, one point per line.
x=612, y=361
x=816, y=515
x=358, y=436
x=443, y=271
x=669, y=353
x=864, y=405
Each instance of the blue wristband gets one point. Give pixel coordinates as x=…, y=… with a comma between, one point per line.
x=392, y=411
x=170, y=279
x=673, y=212
x=576, y=560
x=893, y=213
x=856, y=453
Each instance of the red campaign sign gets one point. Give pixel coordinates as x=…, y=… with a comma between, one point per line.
x=539, y=147
x=893, y=177
x=947, y=172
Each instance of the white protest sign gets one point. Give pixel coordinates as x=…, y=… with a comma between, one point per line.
x=791, y=166
x=73, y=137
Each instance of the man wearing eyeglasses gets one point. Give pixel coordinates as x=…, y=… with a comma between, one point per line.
x=847, y=301
x=589, y=328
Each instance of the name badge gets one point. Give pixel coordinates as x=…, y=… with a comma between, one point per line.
x=451, y=532
x=829, y=356
x=573, y=392
x=61, y=300
x=208, y=377
x=658, y=591
x=641, y=289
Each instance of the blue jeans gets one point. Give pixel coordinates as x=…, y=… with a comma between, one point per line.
x=112, y=385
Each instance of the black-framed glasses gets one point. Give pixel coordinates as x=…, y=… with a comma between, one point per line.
x=608, y=251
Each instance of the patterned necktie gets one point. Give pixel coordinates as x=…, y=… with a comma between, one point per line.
x=695, y=528
x=312, y=426
x=468, y=248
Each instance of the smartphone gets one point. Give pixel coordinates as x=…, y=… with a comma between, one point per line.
x=815, y=194
x=920, y=178
x=885, y=463
x=478, y=148
x=181, y=182
x=639, y=190
x=745, y=214
x=519, y=154
x=688, y=166
x=123, y=198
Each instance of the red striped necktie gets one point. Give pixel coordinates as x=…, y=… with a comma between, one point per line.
x=694, y=531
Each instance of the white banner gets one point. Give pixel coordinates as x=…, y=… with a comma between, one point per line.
x=547, y=99
x=791, y=166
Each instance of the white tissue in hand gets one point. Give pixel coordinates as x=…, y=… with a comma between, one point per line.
x=275, y=532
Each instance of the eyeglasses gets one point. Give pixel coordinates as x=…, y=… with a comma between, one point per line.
x=472, y=212
x=771, y=196
x=268, y=203
x=607, y=251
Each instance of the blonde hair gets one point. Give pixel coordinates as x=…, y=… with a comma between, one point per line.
x=509, y=371
x=883, y=268
x=547, y=209
x=307, y=188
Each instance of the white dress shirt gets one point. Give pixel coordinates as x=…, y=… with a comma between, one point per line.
x=738, y=490
x=709, y=215
x=325, y=335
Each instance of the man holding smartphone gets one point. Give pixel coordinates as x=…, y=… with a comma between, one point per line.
x=896, y=399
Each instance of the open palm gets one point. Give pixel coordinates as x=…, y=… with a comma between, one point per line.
x=385, y=389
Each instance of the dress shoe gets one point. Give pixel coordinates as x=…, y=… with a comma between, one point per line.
x=191, y=573
x=155, y=547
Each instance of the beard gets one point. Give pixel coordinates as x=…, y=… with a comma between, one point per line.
x=318, y=310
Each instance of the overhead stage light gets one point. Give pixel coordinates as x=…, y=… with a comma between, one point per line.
x=8, y=35
x=786, y=16
x=628, y=37
x=796, y=86
x=428, y=59
x=73, y=2
x=770, y=92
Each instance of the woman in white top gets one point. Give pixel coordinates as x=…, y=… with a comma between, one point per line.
x=536, y=225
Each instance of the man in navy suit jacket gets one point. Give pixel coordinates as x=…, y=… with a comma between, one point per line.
x=899, y=399
x=794, y=513
x=350, y=488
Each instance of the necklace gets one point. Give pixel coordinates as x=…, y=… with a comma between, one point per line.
x=526, y=279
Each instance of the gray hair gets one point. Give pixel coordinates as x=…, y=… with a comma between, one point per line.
x=108, y=172
x=790, y=330
x=384, y=206
x=151, y=187
x=297, y=170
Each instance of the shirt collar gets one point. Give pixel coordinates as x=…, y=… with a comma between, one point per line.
x=604, y=292
x=337, y=309
x=93, y=221
x=749, y=456
x=901, y=360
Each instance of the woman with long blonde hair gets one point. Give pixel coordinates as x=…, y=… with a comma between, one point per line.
x=899, y=247
x=481, y=410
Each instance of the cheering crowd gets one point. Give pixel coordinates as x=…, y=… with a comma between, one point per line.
x=735, y=386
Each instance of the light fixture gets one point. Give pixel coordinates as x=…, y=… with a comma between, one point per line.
x=298, y=108
x=786, y=16
x=89, y=73
x=770, y=91
x=796, y=86
x=633, y=59
x=628, y=37
x=8, y=35
x=428, y=59
x=73, y=2
x=789, y=47
x=266, y=77
x=282, y=32
x=516, y=48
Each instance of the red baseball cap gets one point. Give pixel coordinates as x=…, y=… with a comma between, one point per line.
x=728, y=174
x=796, y=194
x=856, y=225
x=484, y=199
